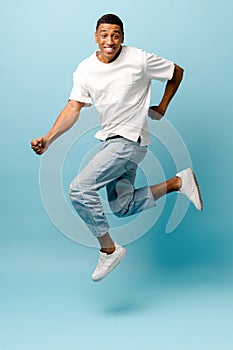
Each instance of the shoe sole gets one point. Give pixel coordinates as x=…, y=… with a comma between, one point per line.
x=198, y=189
x=121, y=257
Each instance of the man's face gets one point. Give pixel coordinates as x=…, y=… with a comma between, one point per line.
x=109, y=38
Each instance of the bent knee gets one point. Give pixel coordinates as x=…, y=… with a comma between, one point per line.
x=121, y=213
x=82, y=191
x=75, y=189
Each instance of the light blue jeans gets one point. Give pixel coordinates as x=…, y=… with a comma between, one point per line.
x=114, y=167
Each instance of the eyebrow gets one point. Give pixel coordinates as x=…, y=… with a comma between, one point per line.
x=114, y=31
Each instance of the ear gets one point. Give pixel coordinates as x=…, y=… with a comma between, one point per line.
x=123, y=37
x=95, y=36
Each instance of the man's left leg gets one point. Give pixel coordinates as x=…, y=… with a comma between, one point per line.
x=125, y=200
x=166, y=187
x=184, y=182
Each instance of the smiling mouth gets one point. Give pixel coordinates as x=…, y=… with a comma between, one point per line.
x=109, y=49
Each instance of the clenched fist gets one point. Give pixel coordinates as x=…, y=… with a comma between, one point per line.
x=40, y=145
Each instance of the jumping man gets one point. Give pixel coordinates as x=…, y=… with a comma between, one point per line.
x=117, y=79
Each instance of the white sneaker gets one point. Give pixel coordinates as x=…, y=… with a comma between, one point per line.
x=190, y=187
x=107, y=262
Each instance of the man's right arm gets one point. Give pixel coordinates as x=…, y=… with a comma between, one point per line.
x=66, y=119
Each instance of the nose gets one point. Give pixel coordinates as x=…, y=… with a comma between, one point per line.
x=109, y=40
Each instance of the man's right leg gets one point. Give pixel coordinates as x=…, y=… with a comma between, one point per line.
x=102, y=169
x=110, y=164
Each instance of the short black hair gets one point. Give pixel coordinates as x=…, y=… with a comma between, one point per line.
x=110, y=19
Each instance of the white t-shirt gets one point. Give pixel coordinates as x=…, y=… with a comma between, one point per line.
x=121, y=90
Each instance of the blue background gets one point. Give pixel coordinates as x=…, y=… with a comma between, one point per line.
x=172, y=291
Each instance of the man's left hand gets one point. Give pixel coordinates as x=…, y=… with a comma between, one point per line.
x=156, y=113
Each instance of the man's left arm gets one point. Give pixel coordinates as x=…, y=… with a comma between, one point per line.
x=157, y=112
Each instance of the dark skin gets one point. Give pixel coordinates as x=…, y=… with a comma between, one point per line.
x=109, y=38
x=157, y=112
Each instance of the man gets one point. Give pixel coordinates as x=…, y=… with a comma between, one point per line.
x=117, y=79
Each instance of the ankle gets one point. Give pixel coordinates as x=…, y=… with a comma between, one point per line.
x=108, y=250
x=179, y=183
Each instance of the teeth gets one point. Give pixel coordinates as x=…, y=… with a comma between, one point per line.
x=108, y=49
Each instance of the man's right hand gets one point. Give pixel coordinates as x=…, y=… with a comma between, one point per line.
x=40, y=145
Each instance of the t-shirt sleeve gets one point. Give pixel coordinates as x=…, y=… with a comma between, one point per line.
x=159, y=68
x=79, y=91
